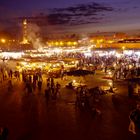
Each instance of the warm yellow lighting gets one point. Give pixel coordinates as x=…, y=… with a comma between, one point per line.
x=69, y=43
x=75, y=43
x=130, y=66
x=110, y=41
x=98, y=41
x=49, y=44
x=77, y=62
x=25, y=22
x=25, y=41
x=56, y=43
x=91, y=41
x=61, y=43
x=109, y=72
x=52, y=43
x=110, y=84
x=114, y=65
x=101, y=40
x=74, y=81
x=123, y=47
x=3, y=40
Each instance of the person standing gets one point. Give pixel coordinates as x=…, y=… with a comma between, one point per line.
x=58, y=88
x=130, y=89
x=39, y=85
x=134, y=119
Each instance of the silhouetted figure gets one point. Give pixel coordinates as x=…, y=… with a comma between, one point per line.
x=134, y=119
x=130, y=89
x=34, y=85
x=57, y=90
x=30, y=78
x=10, y=86
x=10, y=73
x=47, y=95
x=28, y=87
x=39, y=85
x=5, y=133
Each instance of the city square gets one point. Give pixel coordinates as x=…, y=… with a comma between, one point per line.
x=69, y=70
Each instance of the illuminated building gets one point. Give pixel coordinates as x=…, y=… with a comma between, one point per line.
x=25, y=39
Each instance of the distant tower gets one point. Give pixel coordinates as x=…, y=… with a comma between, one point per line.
x=25, y=39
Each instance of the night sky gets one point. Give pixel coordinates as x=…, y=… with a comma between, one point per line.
x=74, y=15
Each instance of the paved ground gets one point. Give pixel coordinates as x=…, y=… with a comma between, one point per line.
x=30, y=117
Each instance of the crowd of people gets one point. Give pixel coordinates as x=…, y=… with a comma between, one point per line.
x=33, y=81
x=122, y=68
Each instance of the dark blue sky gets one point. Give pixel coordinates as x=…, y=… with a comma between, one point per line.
x=108, y=15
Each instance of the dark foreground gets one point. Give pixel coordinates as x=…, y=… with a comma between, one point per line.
x=30, y=117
